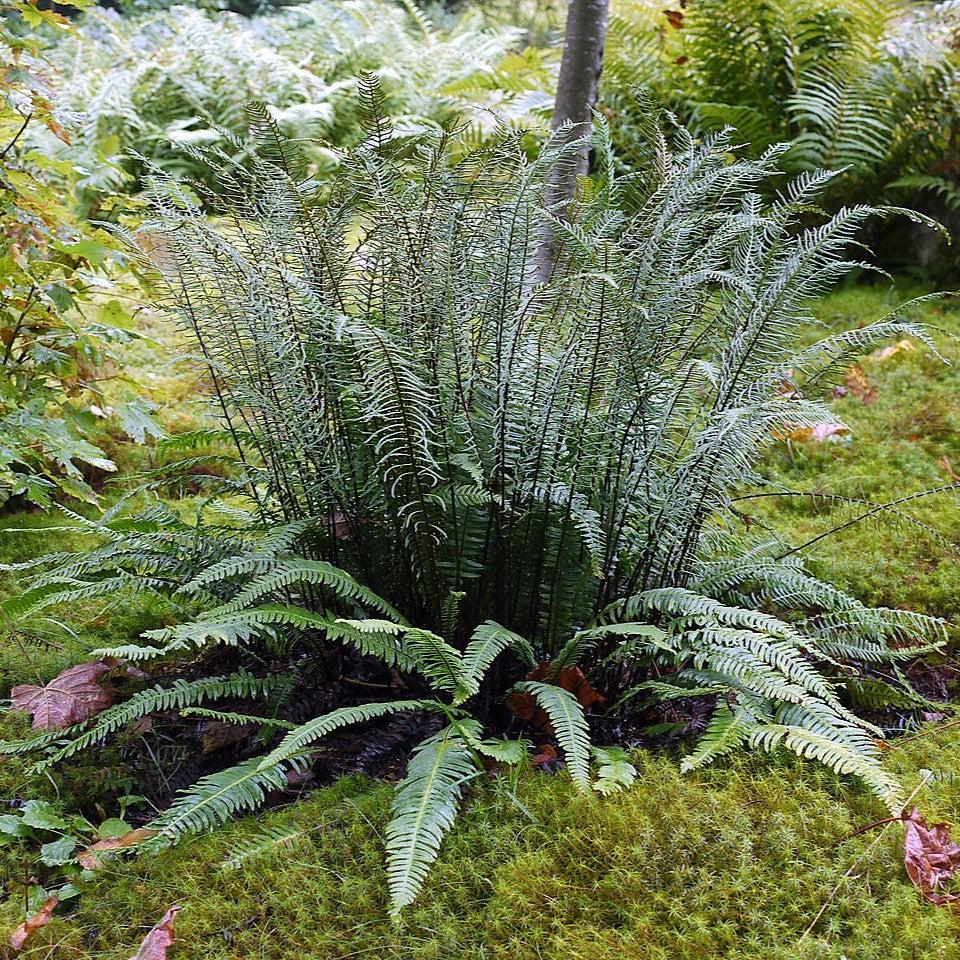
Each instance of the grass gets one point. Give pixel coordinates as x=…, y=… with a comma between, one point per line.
x=733, y=862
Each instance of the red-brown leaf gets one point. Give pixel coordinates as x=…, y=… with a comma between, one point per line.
x=68, y=698
x=34, y=923
x=90, y=859
x=546, y=756
x=931, y=857
x=674, y=18
x=155, y=943
x=524, y=705
x=858, y=384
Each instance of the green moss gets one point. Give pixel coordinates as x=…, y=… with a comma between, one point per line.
x=732, y=863
x=906, y=441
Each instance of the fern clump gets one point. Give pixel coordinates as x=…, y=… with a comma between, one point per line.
x=157, y=86
x=462, y=463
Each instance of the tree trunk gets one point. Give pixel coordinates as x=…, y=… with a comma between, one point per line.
x=577, y=89
x=579, y=81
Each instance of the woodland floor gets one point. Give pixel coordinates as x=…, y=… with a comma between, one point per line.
x=735, y=862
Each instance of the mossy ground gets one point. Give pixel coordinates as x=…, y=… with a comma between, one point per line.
x=906, y=441
x=735, y=862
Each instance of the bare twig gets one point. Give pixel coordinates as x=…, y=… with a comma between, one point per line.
x=863, y=856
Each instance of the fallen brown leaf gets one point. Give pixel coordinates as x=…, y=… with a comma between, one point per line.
x=34, y=923
x=901, y=346
x=524, y=705
x=546, y=756
x=155, y=943
x=217, y=735
x=90, y=859
x=931, y=857
x=819, y=433
x=674, y=18
x=858, y=384
x=68, y=698
x=787, y=387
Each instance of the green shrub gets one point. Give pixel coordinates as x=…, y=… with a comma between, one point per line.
x=58, y=325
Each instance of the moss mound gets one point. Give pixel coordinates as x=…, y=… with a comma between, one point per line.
x=734, y=863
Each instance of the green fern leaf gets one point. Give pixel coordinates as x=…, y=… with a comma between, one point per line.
x=569, y=724
x=423, y=810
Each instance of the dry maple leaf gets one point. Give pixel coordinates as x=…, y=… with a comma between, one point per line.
x=34, y=923
x=90, y=859
x=155, y=943
x=931, y=857
x=68, y=698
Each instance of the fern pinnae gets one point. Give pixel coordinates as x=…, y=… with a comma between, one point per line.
x=302, y=737
x=423, y=811
x=488, y=641
x=158, y=699
x=213, y=799
x=569, y=724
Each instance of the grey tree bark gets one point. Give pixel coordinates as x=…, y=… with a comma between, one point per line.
x=577, y=87
x=579, y=82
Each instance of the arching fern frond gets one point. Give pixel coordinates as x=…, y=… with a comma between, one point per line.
x=423, y=811
x=569, y=724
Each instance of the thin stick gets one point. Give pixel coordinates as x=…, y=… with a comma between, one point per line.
x=856, y=864
x=923, y=733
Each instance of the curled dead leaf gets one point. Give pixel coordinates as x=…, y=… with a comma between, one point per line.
x=154, y=945
x=818, y=433
x=524, y=705
x=71, y=696
x=29, y=926
x=931, y=857
x=90, y=858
